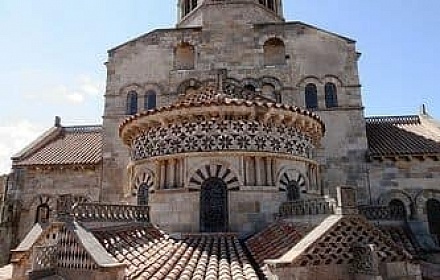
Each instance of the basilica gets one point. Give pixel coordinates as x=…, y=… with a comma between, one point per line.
x=233, y=146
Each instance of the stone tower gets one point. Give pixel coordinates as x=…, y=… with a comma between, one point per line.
x=224, y=12
x=247, y=45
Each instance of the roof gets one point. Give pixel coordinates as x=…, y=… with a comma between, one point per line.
x=150, y=254
x=332, y=242
x=74, y=145
x=210, y=96
x=396, y=136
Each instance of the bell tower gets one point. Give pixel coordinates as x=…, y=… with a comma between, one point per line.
x=204, y=12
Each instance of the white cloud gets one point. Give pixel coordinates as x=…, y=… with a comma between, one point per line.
x=84, y=87
x=14, y=136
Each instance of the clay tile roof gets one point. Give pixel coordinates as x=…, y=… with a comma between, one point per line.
x=150, y=254
x=64, y=146
x=402, y=136
x=276, y=240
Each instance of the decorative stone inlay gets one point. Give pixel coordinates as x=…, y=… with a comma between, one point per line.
x=214, y=171
x=294, y=183
x=336, y=245
x=383, y=212
x=316, y=206
x=220, y=135
x=93, y=212
x=44, y=258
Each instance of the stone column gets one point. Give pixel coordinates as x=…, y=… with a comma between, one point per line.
x=258, y=171
x=269, y=177
x=162, y=175
x=171, y=174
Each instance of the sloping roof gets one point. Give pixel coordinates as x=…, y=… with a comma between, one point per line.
x=276, y=240
x=332, y=241
x=403, y=136
x=64, y=146
x=150, y=254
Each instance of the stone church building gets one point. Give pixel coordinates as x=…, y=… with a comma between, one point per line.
x=233, y=146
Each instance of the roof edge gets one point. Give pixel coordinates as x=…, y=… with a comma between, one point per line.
x=38, y=143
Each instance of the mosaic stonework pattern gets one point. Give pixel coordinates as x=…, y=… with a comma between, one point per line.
x=335, y=247
x=293, y=183
x=214, y=171
x=220, y=135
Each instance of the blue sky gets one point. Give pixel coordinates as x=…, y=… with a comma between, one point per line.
x=52, y=54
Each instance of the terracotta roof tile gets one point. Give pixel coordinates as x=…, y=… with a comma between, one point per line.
x=275, y=240
x=402, y=136
x=71, y=146
x=402, y=237
x=150, y=254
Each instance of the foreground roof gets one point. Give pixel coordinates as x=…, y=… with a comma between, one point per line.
x=73, y=145
x=403, y=136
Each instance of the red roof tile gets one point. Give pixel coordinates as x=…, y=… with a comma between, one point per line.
x=150, y=254
x=402, y=136
x=69, y=146
x=275, y=240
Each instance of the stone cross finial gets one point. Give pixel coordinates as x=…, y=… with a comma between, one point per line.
x=347, y=201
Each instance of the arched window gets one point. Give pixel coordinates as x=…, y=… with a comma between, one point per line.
x=274, y=52
x=270, y=4
x=185, y=57
x=188, y=6
x=433, y=211
x=331, y=98
x=293, y=192
x=214, y=205
x=142, y=195
x=311, y=96
x=397, y=209
x=132, y=103
x=150, y=100
x=42, y=215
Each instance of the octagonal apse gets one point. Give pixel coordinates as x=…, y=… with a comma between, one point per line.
x=217, y=162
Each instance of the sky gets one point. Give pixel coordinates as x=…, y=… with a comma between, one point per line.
x=52, y=55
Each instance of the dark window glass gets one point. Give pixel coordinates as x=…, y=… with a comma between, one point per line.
x=261, y=2
x=150, y=100
x=249, y=88
x=132, y=103
x=42, y=214
x=331, y=98
x=311, y=96
x=292, y=191
x=194, y=4
x=142, y=196
x=214, y=206
x=397, y=209
x=271, y=5
x=433, y=209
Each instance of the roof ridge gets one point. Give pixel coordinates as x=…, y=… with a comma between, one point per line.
x=408, y=119
x=82, y=128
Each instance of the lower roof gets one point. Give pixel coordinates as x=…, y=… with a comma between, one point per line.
x=400, y=136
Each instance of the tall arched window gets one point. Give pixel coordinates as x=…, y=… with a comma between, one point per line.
x=311, y=96
x=397, y=208
x=132, y=103
x=188, y=6
x=150, y=100
x=185, y=57
x=214, y=205
x=433, y=211
x=331, y=96
x=270, y=4
x=142, y=195
x=274, y=52
x=42, y=215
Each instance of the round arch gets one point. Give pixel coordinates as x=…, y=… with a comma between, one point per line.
x=399, y=195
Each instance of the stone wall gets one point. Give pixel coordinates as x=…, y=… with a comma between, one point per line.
x=412, y=182
x=43, y=186
x=312, y=55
